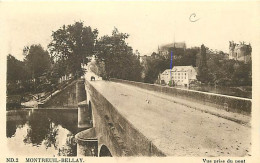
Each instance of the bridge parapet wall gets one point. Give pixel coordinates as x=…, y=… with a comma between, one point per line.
x=233, y=104
x=115, y=131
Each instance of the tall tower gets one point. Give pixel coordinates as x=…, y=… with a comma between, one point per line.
x=232, y=50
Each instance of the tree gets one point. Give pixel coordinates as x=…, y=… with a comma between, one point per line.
x=203, y=69
x=118, y=57
x=98, y=68
x=225, y=72
x=190, y=56
x=71, y=45
x=155, y=65
x=242, y=75
x=37, y=60
x=38, y=64
x=15, y=69
x=16, y=75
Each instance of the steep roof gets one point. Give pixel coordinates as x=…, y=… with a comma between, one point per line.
x=166, y=71
x=183, y=68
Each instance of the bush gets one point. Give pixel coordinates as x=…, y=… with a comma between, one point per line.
x=171, y=83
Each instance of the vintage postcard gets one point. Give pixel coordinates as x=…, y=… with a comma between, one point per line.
x=141, y=81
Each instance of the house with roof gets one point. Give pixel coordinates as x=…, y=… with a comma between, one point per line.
x=181, y=75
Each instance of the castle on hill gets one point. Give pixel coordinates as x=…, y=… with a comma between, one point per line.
x=240, y=52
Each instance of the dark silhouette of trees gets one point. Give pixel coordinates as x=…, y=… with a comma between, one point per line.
x=71, y=45
x=225, y=72
x=37, y=61
x=118, y=57
x=15, y=70
x=24, y=76
x=17, y=76
x=38, y=127
x=156, y=64
x=202, y=68
x=38, y=66
x=190, y=57
x=242, y=75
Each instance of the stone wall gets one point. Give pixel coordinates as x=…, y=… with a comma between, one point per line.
x=117, y=133
x=65, y=98
x=234, y=104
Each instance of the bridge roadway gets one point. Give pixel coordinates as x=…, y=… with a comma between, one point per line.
x=175, y=129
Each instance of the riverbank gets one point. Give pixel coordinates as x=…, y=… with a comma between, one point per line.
x=29, y=100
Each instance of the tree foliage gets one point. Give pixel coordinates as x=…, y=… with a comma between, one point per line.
x=24, y=76
x=15, y=69
x=37, y=60
x=98, y=68
x=154, y=66
x=118, y=57
x=71, y=45
x=228, y=72
x=225, y=72
x=202, y=68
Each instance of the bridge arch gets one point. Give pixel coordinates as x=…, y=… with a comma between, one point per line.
x=104, y=152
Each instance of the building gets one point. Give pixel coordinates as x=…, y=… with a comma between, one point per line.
x=240, y=52
x=164, y=49
x=164, y=77
x=181, y=75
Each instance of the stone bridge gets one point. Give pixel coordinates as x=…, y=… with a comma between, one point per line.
x=138, y=119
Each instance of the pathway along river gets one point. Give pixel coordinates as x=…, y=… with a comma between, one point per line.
x=43, y=132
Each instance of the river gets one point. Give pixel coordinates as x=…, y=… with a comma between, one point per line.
x=43, y=132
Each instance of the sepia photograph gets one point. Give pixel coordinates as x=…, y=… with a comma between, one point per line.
x=165, y=79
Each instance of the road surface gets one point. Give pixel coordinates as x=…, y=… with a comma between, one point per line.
x=175, y=129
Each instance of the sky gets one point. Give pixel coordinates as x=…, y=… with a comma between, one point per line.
x=149, y=24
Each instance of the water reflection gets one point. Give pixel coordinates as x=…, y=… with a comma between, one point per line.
x=42, y=132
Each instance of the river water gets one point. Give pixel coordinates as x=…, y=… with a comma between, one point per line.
x=43, y=132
